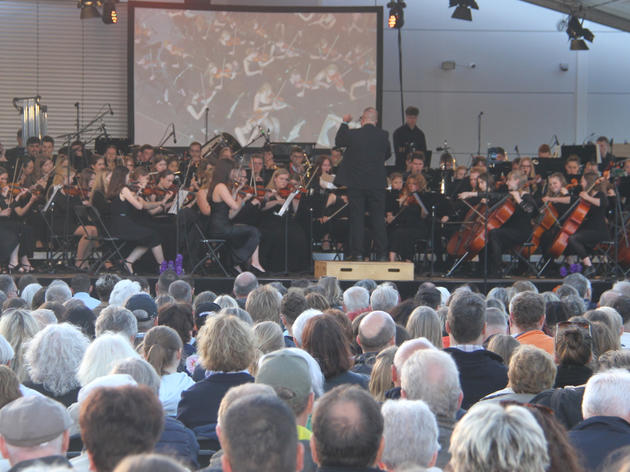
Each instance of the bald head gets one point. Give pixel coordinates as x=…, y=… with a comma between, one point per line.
x=376, y=331
x=370, y=116
x=404, y=352
x=244, y=283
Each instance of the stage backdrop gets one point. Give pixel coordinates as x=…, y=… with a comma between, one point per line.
x=294, y=73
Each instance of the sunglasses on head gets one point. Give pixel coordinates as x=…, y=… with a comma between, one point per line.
x=565, y=325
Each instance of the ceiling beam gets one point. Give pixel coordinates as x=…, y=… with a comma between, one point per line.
x=592, y=14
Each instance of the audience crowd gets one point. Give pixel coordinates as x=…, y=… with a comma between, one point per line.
x=114, y=375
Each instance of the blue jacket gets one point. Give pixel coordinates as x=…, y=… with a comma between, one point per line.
x=597, y=437
x=178, y=441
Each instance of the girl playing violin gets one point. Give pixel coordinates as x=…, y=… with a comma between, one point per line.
x=9, y=236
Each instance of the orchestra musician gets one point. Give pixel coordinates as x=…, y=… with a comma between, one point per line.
x=111, y=156
x=296, y=161
x=594, y=228
x=216, y=200
x=558, y=197
x=572, y=169
x=411, y=220
x=125, y=205
x=273, y=228
x=9, y=234
x=408, y=138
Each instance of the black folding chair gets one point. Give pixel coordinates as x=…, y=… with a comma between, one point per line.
x=213, y=252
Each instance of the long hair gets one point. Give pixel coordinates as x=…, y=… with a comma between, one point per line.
x=117, y=181
x=102, y=355
x=272, y=181
x=160, y=347
x=220, y=175
x=560, y=177
x=18, y=327
x=323, y=338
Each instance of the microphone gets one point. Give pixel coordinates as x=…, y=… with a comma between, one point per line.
x=264, y=134
x=111, y=112
x=480, y=113
x=555, y=140
x=76, y=104
x=174, y=134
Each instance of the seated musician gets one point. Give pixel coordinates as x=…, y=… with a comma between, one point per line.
x=97, y=163
x=111, y=156
x=526, y=166
x=517, y=228
x=594, y=228
x=544, y=151
x=415, y=164
x=412, y=220
x=557, y=198
x=159, y=163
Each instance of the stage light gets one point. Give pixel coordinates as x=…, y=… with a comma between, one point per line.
x=396, y=18
x=577, y=33
x=88, y=8
x=110, y=15
x=462, y=10
x=462, y=13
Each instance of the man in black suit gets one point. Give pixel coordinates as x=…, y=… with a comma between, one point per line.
x=362, y=170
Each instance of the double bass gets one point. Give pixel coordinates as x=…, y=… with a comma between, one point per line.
x=572, y=223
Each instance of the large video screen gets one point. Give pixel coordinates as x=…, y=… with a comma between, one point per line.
x=294, y=74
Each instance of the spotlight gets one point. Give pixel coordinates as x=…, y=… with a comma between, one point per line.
x=88, y=8
x=578, y=45
x=396, y=18
x=462, y=12
x=110, y=15
x=577, y=33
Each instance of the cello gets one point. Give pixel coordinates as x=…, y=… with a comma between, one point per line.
x=548, y=218
x=572, y=223
x=459, y=241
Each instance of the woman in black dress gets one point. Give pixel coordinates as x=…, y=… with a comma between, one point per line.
x=124, y=205
x=222, y=206
x=9, y=239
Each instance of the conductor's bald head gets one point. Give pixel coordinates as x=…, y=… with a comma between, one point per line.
x=370, y=116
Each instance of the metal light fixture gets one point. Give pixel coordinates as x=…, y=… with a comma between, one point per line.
x=110, y=15
x=462, y=10
x=396, y=18
x=577, y=33
x=88, y=8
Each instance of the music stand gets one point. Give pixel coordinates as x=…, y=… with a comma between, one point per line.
x=586, y=152
x=545, y=166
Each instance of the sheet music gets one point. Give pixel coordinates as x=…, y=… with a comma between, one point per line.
x=288, y=201
x=52, y=197
x=178, y=203
x=417, y=197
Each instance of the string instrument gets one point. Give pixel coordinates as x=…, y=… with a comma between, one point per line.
x=547, y=219
x=458, y=243
x=288, y=190
x=623, y=247
x=76, y=191
x=572, y=223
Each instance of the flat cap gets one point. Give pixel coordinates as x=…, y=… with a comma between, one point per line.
x=33, y=420
x=287, y=371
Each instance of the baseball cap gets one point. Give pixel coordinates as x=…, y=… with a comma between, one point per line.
x=142, y=301
x=34, y=420
x=286, y=371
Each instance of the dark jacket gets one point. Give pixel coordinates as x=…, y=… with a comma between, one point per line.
x=363, y=363
x=199, y=406
x=52, y=461
x=178, y=441
x=572, y=375
x=363, y=164
x=480, y=373
x=566, y=404
x=347, y=377
x=66, y=399
x=348, y=469
x=598, y=436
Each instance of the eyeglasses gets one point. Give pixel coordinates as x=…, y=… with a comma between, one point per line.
x=565, y=325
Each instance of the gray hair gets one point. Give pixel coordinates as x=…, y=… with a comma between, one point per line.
x=244, y=283
x=140, y=370
x=116, y=319
x=239, y=313
x=501, y=294
x=44, y=317
x=580, y=283
x=122, y=291
x=53, y=357
x=575, y=304
x=616, y=321
x=29, y=291
x=18, y=327
x=58, y=291
x=6, y=351
x=384, y=298
x=605, y=395
x=356, y=298
x=268, y=336
x=496, y=317
x=181, y=291
x=432, y=376
x=225, y=301
x=491, y=438
x=102, y=355
x=410, y=433
x=622, y=287
x=550, y=297
x=300, y=323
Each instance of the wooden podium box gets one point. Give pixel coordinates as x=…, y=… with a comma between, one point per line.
x=349, y=270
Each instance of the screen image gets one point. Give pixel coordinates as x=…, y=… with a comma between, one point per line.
x=291, y=74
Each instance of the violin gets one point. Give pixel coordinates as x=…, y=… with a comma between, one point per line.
x=75, y=191
x=285, y=192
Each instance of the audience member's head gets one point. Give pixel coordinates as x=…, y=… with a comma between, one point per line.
x=325, y=341
x=504, y=345
x=425, y=322
x=605, y=395
x=332, y=290
x=225, y=344
x=117, y=422
x=527, y=311
x=410, y=433
x=356, y=299
x=531, y=370
x=244, y=283
x=263, y=303
x=58, y=291
x=149, y=462
x=9, y=386
x=84, y=319
x=144, y=309
x=164, y=281
x=181, y=291
x=291, y=306
x=178, y=316
x=573, y=346
x=162, y=348
x=347, y=429
x=466, y=319
x=300, y=324
x=18, y=327
x=580, y=283
x=377, y=331
x=102, y=355
x=381, y=380
x=492, y=438
x=384, y=298
x=29, y=292
x=80, y=283
x=122, y=291
x=44, y=317
x=428, y=296
x=104, y=286
x=117, y=319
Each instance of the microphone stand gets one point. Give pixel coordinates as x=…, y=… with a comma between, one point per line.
x=479, y=132
x=432, y=239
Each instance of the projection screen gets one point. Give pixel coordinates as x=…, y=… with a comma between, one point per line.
x=294, y=73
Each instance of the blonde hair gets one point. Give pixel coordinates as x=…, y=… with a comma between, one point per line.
x=277, y=172
x=18, y=327
x=381, y=376
x=268, y=338
x=160, y=347
x=425, y=322
x=531, y=370
x=225, y=344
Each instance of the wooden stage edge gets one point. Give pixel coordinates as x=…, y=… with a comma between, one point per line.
x=407, y=288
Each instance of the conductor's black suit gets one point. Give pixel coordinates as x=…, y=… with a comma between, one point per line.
x=362, y=170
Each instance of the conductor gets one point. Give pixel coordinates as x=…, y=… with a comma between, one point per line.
x=362, y=170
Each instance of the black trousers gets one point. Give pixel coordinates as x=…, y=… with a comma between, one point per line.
x=373, y=201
